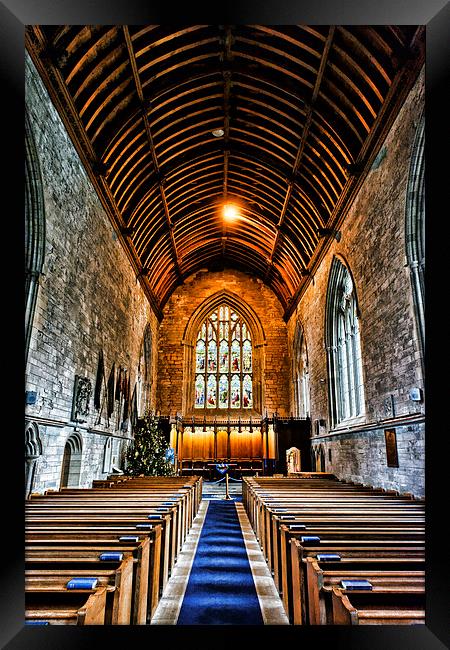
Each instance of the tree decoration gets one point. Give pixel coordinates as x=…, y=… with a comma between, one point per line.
x=149, y=452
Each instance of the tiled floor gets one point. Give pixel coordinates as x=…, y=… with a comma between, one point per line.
x=170, y=603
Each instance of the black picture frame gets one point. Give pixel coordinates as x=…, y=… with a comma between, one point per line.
x=435, y=14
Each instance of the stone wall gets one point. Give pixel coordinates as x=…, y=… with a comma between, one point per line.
x=177, y=312
x=88, y=300
x=361, y=457
x=373, y=247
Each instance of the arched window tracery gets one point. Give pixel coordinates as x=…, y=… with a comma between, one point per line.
x=223, y=362
x=343, y=346
x=301, y=374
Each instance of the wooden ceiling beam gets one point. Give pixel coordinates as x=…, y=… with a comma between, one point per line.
x=227, y=58
x=301, y=147
x=160, y=180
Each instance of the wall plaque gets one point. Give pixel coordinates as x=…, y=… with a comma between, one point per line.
x=391, y=447
x=81, y=395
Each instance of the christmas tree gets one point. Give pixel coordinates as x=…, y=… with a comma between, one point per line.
x=149, y=453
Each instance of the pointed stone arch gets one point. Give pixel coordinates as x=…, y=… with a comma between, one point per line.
x=145, y=371
x=34, y=228
x=235, y=303
x=71, y=463
x=415, y=231
x=300, y=372
x=321, y=459
x=33, y=450
x=318, y=458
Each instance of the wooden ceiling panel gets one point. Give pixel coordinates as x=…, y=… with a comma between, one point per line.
x=302, y=110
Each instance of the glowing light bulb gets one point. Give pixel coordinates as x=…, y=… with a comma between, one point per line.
x=230, y=212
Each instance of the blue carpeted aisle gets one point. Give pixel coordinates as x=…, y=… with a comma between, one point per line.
x=220, y=589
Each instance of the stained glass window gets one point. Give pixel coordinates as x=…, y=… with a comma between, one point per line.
x=223, y=356
x=223, y=392
x=247, y=400
x=200, y=356
x=235, y=392
x=212, y=356
x=212, y=390
x=200, y=391
x=224, y=362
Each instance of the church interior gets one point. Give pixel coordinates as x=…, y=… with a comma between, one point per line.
x=225, y=240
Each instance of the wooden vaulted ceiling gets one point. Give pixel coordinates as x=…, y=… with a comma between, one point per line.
x=303, y=109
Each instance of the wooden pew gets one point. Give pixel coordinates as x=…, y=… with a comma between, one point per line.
x=322, y=576
x=377, y=525
x=72, y=523
x=347, y=518
x=349, y=528
x=310, y=510
x=295, y=595
x=103, y=504
x=45, y=569
x=145, y=551
x=123, y=524
x=191, y=486
x=382, y=606
x=316, y=503
x=341, y=540
x=183, y=500
x=64, y=607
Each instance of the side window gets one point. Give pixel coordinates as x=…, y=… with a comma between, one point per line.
x=345, y=375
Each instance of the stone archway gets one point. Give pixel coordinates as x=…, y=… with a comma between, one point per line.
x=34, y=229
x=71, y=463
x=33, y=450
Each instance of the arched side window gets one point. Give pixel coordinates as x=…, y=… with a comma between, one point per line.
x=71, y=465
x=300, y=372
x=343, y=347
x=34, y=229
x=223, y=362
x=415, y=229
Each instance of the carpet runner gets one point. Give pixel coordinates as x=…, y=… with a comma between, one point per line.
x=221, y=590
